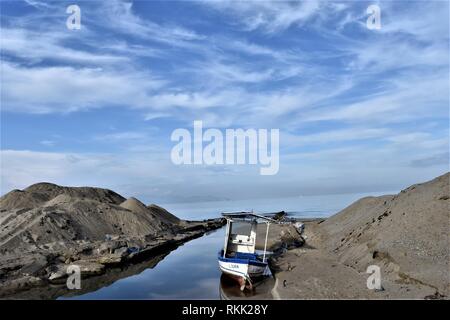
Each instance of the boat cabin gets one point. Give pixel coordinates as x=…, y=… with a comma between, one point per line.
x=240, y=234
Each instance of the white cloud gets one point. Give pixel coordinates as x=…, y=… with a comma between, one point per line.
x=47, y=143
x=20, y=168
x=255, y=49
x=68, y=89
x=156, y=115
x=412, y=97
x=37, y=4
x=234, y=73
x=120, y=136
x=425, y=21
x=333, y=136
x=120, y=16
x=346, y=169
x=269, y=16
x=35, y=46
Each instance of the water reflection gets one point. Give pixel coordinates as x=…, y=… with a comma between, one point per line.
x=92, y=284
x=229, y=289
x=188, y=272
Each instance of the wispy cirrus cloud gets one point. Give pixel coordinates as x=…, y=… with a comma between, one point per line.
x=404, y=100
x=119, y=16
x=36, y=47
x=65, y=89
x=271, y=17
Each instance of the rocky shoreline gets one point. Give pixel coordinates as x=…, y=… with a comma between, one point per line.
x=46, y=228
x=42, y=268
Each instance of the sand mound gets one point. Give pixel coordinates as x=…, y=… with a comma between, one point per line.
x=135, y=205
x=406, y=234
x=50, y=191
x=153, y=210
x=163, y=214
x=46, y=213
x=18, y=199
x=59, y=200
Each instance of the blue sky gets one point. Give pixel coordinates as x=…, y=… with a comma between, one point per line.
x=358, y=110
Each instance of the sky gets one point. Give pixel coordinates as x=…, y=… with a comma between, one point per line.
x=358, y=109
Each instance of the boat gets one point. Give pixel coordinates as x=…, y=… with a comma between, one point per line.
x=239, y=258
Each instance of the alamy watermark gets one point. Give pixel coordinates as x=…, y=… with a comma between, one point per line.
x=236, y=146
x=374, y=280
x=73, y=22
x=74, y=277
x=373, y=22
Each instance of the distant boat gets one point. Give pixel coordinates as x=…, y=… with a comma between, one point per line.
x=239, y=259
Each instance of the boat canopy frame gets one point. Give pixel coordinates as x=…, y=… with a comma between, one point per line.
x=247, y=214
x=249, y=217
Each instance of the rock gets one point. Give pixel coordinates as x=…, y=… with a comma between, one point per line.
x=26, y=282
x=291, y=238
x=69, y=260
x=87, y=268
x=58, y=274
x=109, y=247
x=38, y=264
x=279, y=216
x=123, y=252
x=110, y=259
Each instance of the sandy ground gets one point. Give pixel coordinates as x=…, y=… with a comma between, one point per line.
x=312, y=272
x=406, y=235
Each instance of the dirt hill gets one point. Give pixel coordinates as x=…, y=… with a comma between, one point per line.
x=46, y=213
x=406, y=235
x=45, y=228
x=39, y=193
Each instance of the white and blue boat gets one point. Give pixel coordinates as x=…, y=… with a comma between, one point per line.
x=239, y=258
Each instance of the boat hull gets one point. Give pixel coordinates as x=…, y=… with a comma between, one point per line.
x=242, y=268
x=243, y=272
